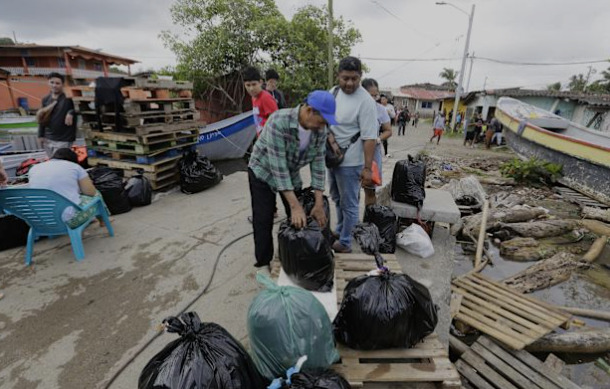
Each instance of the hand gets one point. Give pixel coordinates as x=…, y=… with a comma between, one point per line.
x=298, y=218
x=378, y=140
x=366, y=177
x=317, y=212
x=369, y=197
x=69, y=119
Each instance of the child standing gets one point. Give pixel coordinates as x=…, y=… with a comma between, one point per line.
x=263, y=104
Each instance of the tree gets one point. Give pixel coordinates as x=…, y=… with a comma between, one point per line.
x=221, y=37
x=578, y=83
x=4, y=40
x=301, y=58
x=449, y=75
x=555, y=87
x=602, y=85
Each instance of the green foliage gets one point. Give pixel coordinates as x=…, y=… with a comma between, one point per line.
x=222, y=36
x=4, y=40
x=556, y=87
x=449, y=75
x=578, y=83
x=533, y=171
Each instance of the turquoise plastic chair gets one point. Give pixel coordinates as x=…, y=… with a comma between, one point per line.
x=42, y=209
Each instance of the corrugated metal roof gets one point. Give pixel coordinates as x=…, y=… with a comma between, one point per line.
x=425, y=94
x=75, y=48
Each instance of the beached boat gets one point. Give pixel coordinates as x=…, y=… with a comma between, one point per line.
x=227, y=139
x=584, y=153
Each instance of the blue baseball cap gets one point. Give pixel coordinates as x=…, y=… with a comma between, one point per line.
x=323, y=102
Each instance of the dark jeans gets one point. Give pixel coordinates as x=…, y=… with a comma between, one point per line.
x=401, y=127
x=263, y=207
x=385, y=146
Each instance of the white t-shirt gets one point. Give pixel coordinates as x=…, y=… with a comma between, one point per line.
x=382, y=114
x=304, y=138
x=356, y=112
x=61, y=177
x=391, y=111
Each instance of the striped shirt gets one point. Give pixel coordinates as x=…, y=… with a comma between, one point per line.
x=276, y=159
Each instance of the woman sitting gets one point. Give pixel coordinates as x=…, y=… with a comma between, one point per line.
x=63, y=175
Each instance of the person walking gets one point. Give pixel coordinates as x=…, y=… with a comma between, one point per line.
x=392, y=113
x=438, y=127
x=458, y=122
x=263, y=104
x=385, y=128
x=292, y=138
x=403, y=119
x=272, y=78
x=415, y=119
x=356, y=114
x=56, y=118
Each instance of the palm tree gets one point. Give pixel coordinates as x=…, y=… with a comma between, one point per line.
x=578, y=83
x=450, y=75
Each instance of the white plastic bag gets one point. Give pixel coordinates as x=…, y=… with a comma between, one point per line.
x=415, y=241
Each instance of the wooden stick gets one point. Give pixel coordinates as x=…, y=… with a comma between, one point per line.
x=591, y=313
x=457, y=345
x=482, y=232
x=595, y=250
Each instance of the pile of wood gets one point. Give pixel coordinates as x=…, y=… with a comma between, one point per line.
x=148, y=133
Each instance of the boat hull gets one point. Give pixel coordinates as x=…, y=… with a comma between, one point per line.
x=586, y=165
x=227, y=139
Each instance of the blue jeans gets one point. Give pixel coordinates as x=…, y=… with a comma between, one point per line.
x=344, y=185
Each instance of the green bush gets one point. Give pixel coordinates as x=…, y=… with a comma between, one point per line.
x=531, y=171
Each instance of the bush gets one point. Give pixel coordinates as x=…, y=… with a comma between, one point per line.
x=532, y=171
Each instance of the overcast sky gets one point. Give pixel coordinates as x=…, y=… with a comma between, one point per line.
x=513, y=30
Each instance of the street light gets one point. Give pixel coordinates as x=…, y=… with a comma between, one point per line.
x=463, y=67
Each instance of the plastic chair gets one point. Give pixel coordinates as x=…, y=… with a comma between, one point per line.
x=42, y=210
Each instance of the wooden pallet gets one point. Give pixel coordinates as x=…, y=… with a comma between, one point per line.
x=578, y=198
x=486, y=365
x=425, y=365
x=160, y=174
x=189, y=134
x=148, y=130
x=498, y=311
x=147, y=159
x=109, y=121
x=132, y=148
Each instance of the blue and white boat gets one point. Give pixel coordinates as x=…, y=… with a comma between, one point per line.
x=227, y=139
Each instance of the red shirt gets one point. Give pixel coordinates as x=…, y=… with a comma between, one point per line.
x=263, y=106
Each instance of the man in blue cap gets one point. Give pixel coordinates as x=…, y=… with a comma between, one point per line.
x=292, y=138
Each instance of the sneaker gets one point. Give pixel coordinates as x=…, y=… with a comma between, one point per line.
x=388, y=155
x=339, y=248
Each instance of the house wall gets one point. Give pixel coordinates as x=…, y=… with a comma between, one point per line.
x=583, y=115
x=448, y=105
x=30, y=87
x=416, y=106
x=483, y=105
x=566, y=108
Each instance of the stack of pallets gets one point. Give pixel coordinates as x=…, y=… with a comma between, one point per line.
x=156, y=123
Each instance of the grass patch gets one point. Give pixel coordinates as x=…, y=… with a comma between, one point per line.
x=532, y=171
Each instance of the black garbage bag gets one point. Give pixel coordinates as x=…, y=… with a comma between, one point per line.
x=367, y=236
x=13, y=232
x=205, y=356
x=197, y=173
x=306, y=256
x=110, y=184
x=408, y=181
x=307, y=198
x=385, y=220
x=139, y=190
x=384, y=311
x=318, y=379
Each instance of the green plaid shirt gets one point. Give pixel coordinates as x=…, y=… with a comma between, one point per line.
x=276, y=159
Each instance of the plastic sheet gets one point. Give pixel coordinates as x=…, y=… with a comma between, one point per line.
x=384, y=311
x=109, y=182
x=285, y=323
x=408, y=181
x=139, y=190
x=415, y=240
x=197, y=173
x=306, y=256
x=206, y=356
x=385, y=220
x=318, y=379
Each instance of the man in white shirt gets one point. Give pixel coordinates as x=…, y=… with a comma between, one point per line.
x=356, y=113
x=392, y=113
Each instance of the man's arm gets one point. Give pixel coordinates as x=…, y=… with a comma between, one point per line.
x=386, y=131
x=297, y=214
x=69, y=120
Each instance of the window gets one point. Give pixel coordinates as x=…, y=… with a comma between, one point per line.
x=61, y=62
x=426, y=104
x=30, y=61
x=97, y=66
x=81, y=64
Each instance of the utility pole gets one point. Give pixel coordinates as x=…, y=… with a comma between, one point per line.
x=331, y=62
x=469, y=73
x=14, y=37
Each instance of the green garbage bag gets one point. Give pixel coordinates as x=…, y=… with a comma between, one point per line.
x=284, y=323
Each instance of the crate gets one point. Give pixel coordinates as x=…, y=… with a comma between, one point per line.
x=135, y=158
x=161, y=174
x=163, y=143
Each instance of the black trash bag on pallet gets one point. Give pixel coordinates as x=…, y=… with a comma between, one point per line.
x=139, y=190
x=197, y=173
x=13, y=232
x=307, y=198
x=384, y=310
x=385, y=220
x=109, y=182
x=408, y=181
x=367, y=236
x=206, y=356
x=318, y=379
x=306, y=256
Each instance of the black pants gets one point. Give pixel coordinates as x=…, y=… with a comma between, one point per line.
x=263, y=208
x=385, y=146
x=401, y=127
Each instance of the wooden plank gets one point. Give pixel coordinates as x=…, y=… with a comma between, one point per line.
x=537, y=364
x=504, y=334
x=456, y=302
x=500, y=310
x=553, y=363
x=487, y=372
x=512, y=303
x=472, y=376
x=507, y=371
x=548, y=308
x=396, y=372
x=507, y=357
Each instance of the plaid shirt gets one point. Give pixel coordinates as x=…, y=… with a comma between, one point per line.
x=276, y=159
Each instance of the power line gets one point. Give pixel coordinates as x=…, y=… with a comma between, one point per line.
x=500, y=61
x=410, y=59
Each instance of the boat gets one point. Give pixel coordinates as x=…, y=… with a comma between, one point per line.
x=583, y=153
x=227, y=139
